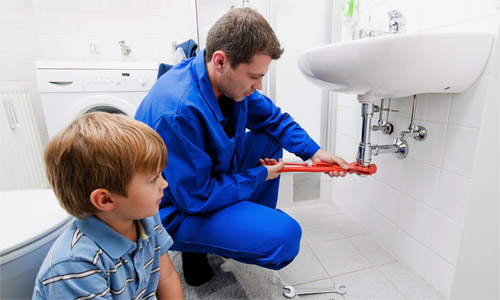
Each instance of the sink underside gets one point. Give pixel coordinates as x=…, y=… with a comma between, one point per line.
x=399, y=65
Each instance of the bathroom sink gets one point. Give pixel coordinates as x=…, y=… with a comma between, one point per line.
x=398, y=65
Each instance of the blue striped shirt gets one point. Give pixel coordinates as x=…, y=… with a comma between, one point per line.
x=92, y=261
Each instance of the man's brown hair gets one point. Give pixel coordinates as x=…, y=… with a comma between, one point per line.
x=100, y=150
x=241, y=33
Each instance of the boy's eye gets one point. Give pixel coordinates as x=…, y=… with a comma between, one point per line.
x=155, y=179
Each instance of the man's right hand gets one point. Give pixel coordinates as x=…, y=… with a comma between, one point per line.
x=272, y=167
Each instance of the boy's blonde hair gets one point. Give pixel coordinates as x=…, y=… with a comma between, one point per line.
x=100, y=150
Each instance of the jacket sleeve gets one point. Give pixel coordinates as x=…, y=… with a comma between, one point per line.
x=192, y=186
x=263, y=114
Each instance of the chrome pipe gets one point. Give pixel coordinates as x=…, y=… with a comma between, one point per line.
x=364, y=156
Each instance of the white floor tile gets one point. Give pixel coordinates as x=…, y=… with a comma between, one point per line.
x=372, y=250
x=305, y=268
x=320, y=230
x=410, y=284
x=368, y=284
x=340, y=257
x=347, y=225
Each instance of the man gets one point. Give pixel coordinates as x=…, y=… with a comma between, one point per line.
x=223, y=192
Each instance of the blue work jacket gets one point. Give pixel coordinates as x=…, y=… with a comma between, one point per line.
x=206, y=143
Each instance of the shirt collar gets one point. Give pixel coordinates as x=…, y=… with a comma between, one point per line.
x=111, y=242
x=205, y=85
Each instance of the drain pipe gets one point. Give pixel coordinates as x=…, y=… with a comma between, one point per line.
x=365, y=148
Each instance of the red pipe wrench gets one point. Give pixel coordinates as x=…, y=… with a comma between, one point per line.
x=324, y=167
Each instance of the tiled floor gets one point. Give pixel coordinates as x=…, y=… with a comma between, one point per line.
x=335, y=249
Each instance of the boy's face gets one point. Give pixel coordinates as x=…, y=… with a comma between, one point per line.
x=144, y=196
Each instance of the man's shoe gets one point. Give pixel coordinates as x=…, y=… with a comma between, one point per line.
x=197, y=270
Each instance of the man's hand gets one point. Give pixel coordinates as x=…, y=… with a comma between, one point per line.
x=323, y=156
x=272, y=170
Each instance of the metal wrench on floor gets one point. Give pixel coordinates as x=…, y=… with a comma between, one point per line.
x=291, y=292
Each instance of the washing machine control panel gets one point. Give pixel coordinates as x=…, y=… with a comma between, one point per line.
x=118, y=80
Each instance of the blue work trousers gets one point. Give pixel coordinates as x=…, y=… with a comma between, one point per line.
x=251, y=231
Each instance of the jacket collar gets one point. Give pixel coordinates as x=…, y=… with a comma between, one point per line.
x=205, y=85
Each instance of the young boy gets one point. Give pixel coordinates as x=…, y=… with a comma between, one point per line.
x=106, y=171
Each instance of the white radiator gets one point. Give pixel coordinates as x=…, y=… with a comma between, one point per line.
x=21, y=154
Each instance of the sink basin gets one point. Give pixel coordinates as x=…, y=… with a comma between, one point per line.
x=398, y=65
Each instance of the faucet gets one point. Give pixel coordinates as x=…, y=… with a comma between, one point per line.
x=125, y=48
x=397, y=24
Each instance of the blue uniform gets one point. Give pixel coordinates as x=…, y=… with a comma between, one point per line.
x=92, y=261
x=218, y=200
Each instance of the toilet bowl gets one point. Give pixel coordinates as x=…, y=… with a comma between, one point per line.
x=30, y=221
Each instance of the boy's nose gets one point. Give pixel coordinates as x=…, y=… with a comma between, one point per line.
x=164, y=183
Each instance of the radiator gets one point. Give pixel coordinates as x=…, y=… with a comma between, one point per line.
x=21, y=154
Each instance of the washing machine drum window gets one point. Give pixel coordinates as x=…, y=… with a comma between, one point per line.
x=107, y=109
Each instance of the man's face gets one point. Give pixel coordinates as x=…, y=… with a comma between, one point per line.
x=242, y=81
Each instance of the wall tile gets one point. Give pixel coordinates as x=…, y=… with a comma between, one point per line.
x=460, y=150
x=348, y=101
x=63, y=22
x=389, y=170
x=467, y=107
x=17, y=40
x=384, y=231
x=420, y=181
x=67, y=5
x=453, y=195
x=113, y=6
x=342, y=198
x=385, y=200
x=362, y=214
x=440, y=274
x=348, y=122
x=346, y=147
x=411, y=252
x=433, y=107
x=440, y=13
x=89, y=23
x=480, y=8
x=430, y=150
x=415, y=219
x=445, y=237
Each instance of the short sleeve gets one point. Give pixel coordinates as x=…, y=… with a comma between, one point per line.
x=72, y=279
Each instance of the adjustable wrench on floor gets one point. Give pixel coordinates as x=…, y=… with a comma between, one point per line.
x=291, y=292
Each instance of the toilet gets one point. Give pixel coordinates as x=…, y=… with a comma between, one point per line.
x=30, y=221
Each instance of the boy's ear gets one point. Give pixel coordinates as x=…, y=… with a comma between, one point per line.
x=101, y=199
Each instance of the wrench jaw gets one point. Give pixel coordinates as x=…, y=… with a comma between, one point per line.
x=289, y=291
x=340, y=289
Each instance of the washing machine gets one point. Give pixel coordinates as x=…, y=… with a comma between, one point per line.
x=30, y=222
x=69, y=89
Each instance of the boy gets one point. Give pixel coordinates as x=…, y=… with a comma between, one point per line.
x=106, y=171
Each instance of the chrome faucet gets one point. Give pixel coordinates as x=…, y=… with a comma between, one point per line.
x=397, y=24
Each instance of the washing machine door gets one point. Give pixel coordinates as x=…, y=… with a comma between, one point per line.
x=104, y=103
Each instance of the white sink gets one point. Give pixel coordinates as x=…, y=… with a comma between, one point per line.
x=398, y=65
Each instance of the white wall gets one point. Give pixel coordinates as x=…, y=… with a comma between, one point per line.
x=416, y=207
x=64, y=29
x=19, y=49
